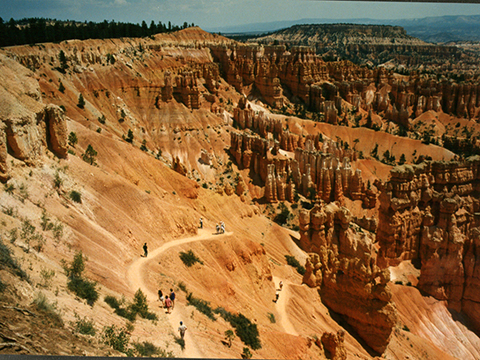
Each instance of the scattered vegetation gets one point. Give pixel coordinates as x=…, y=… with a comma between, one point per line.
x=292, y=261
x=89, y=155
x=129, y=137
x=117, y=338
x=283, y=216
x=244, y=328
x=229, y=336
x=75, y=196
x=271, y=317
x=189, y=258
x=47, y=277
x=49, y=309
x=181, y=285
x=81, y=101
x=147, y=349
x=8, y=262
x=83, y=288
x=201, y=305
x=138, y=306
x=247, y=354
x=84, y=325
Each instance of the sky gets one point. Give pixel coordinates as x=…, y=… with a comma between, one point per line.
x=211, y=15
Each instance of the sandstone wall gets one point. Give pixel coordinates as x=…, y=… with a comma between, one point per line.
x=318, y=168
x=342, y=264
x=323, y=86
x=429, y=214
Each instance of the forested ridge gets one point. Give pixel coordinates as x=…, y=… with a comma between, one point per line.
x=40, y=30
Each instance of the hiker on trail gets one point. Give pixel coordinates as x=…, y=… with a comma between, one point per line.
x=182, y=328
x=172, y=297
x=161, y=297
x=145, y=249
x=168, y=304
x=201, y=223
x=280, y=284
x=277, y=294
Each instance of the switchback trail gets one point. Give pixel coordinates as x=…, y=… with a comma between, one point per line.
x=284, y=296
x=135, y=275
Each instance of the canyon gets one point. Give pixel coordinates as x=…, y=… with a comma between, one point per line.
x=361, y=173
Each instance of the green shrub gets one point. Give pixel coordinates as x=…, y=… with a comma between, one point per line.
x=201, y=305
x=89, y=155
x=118, y=339
x=246, y=331
x=9, y=188
x=138, y=306
x=244, y=328
x=246, y=353
x=112, y=301
x=189, y=258
x=283, y=216
x=294, y=263
x=72, y=139
x=76, y=196
x=83, y=288
x=47, y=276
x=181, y=285
x=146, y=349
x=271, y=317
x=84, y=326
x=81, y=101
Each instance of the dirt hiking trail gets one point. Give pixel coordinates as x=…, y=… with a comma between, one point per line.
x=281, y=304
x=135, y=276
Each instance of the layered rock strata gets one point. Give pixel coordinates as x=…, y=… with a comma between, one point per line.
x=342, y=265
x=184, y=89
x=325, y=87
x=430, y=214
x=328, y=175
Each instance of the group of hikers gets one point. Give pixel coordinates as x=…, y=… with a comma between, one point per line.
x=168, y=301
x=220, y=227
x=277, y=293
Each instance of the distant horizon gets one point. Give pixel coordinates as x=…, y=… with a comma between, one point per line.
x=216, y=14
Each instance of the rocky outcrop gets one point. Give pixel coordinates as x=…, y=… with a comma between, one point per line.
x=56, y=130
x=342, y=264
x=184, y=89
x=178, y=166
x=334, y=345
x=319, y=166
x=429, y=214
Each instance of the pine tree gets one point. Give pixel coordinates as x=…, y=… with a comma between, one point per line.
x=81, y=101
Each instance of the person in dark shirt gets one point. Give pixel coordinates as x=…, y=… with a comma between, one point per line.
x=145, y=249
x=172, y=297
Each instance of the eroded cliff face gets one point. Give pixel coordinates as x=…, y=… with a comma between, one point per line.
x=429, y=214
x=28, y=127
x=342, y=265
x=310, y=164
